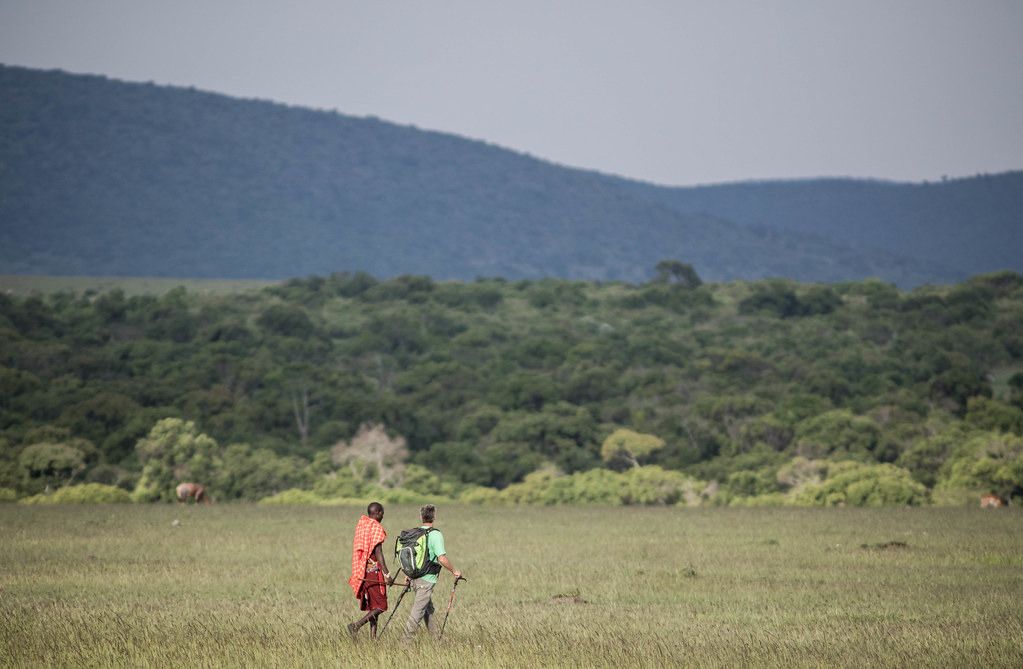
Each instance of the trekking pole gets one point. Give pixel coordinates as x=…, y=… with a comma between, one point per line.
x=451, y=599
x=408, y=586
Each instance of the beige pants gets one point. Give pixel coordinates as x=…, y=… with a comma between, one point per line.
x=422, y=610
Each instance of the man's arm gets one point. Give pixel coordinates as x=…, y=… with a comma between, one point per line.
x=446, y=563
x=378, y=555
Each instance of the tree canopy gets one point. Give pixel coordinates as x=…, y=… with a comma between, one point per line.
x=550, y=391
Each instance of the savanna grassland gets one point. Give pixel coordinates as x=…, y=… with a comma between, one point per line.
x=247, y=585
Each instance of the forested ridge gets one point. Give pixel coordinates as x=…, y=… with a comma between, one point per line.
x=673, y=391
x=975, y=224
x=106, y=178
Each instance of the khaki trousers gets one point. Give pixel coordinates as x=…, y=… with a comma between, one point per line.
x=422, y=610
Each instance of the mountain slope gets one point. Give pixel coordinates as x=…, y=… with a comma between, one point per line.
x=973, y=224
x=100, y=177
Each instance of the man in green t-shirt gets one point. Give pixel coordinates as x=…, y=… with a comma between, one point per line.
x=422, y=605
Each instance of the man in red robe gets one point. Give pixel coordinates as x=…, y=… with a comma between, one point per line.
x=370, y=576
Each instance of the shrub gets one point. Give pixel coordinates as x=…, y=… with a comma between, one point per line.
x=480, y=495
x=597, y=486
x=293, y=496
x=340, y=483
x=419, y=480
x=986, y=462
x=770, y=499
x=402, y=496
x=654, y=485
x=864, y=485
x=89, y=493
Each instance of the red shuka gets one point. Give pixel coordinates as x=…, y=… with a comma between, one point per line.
x=368, y=533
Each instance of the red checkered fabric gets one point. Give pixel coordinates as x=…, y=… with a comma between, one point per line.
x=368, y=533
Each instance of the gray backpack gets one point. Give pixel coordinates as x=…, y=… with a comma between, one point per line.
x=413, y=554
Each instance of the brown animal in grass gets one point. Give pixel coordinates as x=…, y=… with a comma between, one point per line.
x=195, y=491
x=991, y=501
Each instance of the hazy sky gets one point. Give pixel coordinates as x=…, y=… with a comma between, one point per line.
x=673, y=92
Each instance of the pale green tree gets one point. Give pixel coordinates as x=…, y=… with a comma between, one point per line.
x=54, y=464
x=632, y=447
x=373, y=456
x=173, y=452
x=987, y=462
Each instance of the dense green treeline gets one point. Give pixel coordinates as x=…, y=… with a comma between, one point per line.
x=548, y=391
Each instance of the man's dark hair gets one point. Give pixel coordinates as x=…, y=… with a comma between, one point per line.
x=374, y=508
x=427, y=513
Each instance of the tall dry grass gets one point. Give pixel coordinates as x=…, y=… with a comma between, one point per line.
x=240, y=585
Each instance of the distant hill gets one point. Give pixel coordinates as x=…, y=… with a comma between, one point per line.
x=975, y=224
x=106, y=178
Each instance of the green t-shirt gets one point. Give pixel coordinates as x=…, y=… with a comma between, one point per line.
x=434, y=549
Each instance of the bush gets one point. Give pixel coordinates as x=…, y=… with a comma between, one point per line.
x=293, y=496
x=654, y=485
x=770, y=499
x=402, y=496
x=90, y=493
x=985, y=462
x=8, y=495
x=340, y=483
x=650, y=485
x=481, y=495
x=597, y=486
x=857, y=484
x=422, y=482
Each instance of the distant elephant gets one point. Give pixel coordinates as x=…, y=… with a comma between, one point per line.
x=194, y=490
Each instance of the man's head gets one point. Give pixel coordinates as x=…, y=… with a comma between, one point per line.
x=427, y=513
x=375, y=510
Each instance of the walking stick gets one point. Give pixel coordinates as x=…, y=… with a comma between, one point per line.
x=451, y=599
x=408, y=586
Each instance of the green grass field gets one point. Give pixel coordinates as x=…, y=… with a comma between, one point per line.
x=241, y=585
